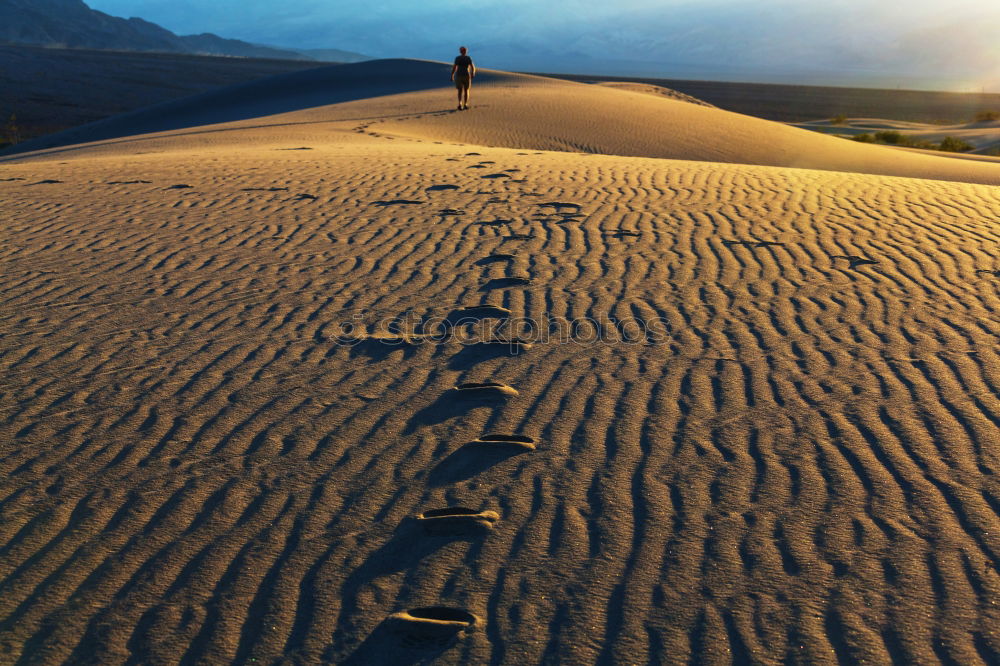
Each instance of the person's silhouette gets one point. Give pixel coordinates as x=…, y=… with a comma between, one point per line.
x=462, y=73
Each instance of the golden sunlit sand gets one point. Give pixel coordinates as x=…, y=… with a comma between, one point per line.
x=762, y=428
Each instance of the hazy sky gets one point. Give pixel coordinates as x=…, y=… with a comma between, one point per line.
x=900, y=41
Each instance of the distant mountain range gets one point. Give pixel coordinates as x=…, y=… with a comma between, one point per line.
x=72, y=24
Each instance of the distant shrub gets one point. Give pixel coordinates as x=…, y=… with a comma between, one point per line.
x=952, y=145
x=987, y=116
x=891, y=137
x=839, y=119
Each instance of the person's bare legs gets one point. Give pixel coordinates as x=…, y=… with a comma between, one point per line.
x=463, y=93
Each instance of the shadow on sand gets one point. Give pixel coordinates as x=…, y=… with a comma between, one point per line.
x=283, y=93
x=408, y=546
x=468, y=461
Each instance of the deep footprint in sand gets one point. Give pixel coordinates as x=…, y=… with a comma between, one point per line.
x=506, y=283
x=503, y=441
x=753, y=243
x=477, y=312
x=457, y=520
x=431, y=627
x=854, y=260
x=560, y=205
x=396, y=202
x=495, y=258
x=484, y=391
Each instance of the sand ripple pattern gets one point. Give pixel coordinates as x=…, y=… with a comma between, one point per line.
x=192, y=470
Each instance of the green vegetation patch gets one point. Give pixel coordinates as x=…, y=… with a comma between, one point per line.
x=893, y=138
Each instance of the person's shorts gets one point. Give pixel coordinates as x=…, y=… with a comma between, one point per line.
x=463, y=80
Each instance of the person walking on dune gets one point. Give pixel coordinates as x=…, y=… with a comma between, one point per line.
x=462, y=73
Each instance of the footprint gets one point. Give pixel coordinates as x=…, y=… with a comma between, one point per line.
x=180, y=186
x=484, y=391
x=457, y=520
x=477, y=312
x=396, y=202
x=450, y=211
x=855, y=261
x=495, y=258
x=501, y=440
x=505, y=283
x=752, y=243
x=432, y=627
x=514, y=346
x=559, y=205
x=496, y=175
x=440, y=188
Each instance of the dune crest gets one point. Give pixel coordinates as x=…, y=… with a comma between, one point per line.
x=410, y=98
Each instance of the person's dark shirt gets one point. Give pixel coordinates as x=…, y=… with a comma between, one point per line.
x=463, y=62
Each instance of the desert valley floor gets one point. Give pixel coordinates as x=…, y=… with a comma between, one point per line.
x=773, y=437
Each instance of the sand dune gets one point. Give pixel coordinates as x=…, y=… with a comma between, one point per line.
x=250, y=411
x=404, y=97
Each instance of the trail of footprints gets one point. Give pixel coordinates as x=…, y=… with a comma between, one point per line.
x=435, y=627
